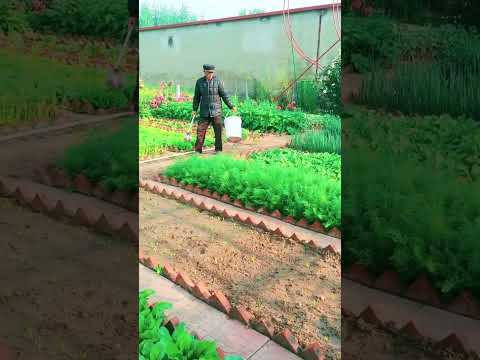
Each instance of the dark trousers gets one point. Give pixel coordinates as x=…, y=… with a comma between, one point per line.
x=202, y=131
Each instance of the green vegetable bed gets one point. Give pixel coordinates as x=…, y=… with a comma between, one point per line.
x=109, y=158
x=157, y=343
x=411, y=200
x=297, y=192
x=325, y=164
x=155, y=141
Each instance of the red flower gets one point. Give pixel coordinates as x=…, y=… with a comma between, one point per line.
x=279, y=107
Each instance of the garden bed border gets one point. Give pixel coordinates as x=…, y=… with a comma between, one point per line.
x=219, y=301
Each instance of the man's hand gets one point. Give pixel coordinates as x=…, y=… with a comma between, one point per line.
x=132, y=21
x=234, y=109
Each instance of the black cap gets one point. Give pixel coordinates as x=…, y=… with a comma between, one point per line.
x=208, y=67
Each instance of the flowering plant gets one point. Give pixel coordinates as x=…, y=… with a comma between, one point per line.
x=329, y=89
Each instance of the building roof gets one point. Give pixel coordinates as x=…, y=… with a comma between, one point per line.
x=237, y=18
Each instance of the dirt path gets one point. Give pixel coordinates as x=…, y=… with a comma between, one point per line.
x=59, y=298
x=286, y=282
x=22, y=157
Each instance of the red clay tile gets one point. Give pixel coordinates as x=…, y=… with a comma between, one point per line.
x=81, y=218
x=286, y=339
x=220, y=301
x=262, y=225
x=335, y=232
x=262, y=211
x=203, y=206
x=82, y=184
x=5, y=189
x=41, y=176
x=142, y=183
x=225, y=198
x=313, y=244
x=184, y=281
x=466, y=304
x=20, y=196
x=313, y=352
x=201, y=291
x=289, y=219
x=422, y=290
x=279, y=232
x=389, y=281
x=197, y=190
x=276, y=214
x=59, y=210
x=249, y=221
x=189, y=187
x=170, y=273
x=452, y=342
x=360, y=273
x=302, y=223
x=216, y=195
x=120, y=198
x=317, y=226
x=103, y=226
x=60, y=178
x=369, y=316
x=38, y=205
x=173, y=182
x=126, y=232
x=264, y=326
x=100, y=191
x=238, y=203
x=411, y=330
x=240, y=313
x=206, y=192
x=295, y=237
x=331, y=249
x=249, y=207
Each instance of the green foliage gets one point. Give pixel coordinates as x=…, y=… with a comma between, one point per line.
x=324, y=164
x=31, y=93
x=155, y=141
x=329, y=94
x=153, y=14
x=12, y=18
x=419, y=210
x=260, y=116
x=326, y=139
x=308, y=96
x=157, y=343
x=425, y=88
x=83, y=17
x=299, y=193
x=110, y=158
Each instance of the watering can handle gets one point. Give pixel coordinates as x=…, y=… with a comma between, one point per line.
x=191, y=123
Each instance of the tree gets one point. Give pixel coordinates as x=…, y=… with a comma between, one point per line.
x=251, y=12
x=153, y=14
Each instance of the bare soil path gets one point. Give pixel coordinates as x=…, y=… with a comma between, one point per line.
x=286, y=282
x=59, y=298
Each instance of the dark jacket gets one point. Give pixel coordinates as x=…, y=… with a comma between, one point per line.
x=133, y=8
x=210, y=97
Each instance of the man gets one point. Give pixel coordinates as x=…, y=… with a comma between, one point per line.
x=133, y=13
x=209, y=93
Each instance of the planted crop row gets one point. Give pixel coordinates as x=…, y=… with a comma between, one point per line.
x=108, y=158
x=437, y=89
x=324, y=164
x=327, y=138
x=155, y=141
x=295, y=192
x=419, y=210
x=156, y=342
x=30, y=93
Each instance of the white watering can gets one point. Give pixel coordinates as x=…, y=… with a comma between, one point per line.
x=233, y=128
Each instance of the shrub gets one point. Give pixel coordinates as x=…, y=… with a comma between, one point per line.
x=329, y=89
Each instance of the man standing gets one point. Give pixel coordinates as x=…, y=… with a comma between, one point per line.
x=209, y=93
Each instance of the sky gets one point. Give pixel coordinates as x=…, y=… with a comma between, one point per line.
x=214, y=9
